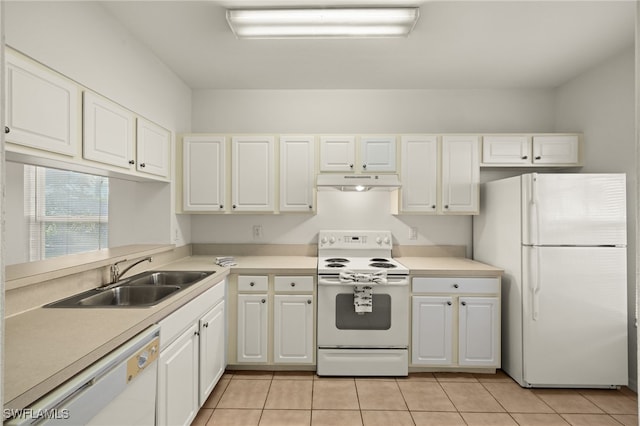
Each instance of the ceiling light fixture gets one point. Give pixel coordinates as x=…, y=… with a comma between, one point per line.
x=323, y=23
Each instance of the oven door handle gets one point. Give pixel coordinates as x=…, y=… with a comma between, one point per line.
x=335, y=281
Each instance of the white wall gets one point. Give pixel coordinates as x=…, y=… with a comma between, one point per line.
x=359, y=111
x=601, y=103
x=84, y=42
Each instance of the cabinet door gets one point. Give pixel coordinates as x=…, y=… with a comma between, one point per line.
x=460, y=174
x=204, y=173
x=378, y=153
x=479, y=331
x=41, y=107
x=212, y=350
x=153, y=145
x=252, y=327
x=252, y=173
x=432, y=330
x=108, y=132
x=178, y=380
x=556, y=149
x=506, y=150
x=337, y=153
x=297, y=172
x=419, y=173
x=293, y=329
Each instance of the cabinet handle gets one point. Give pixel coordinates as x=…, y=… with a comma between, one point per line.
x=456, y=285
x=449, y=302
x=524, y=157
x=463, y=303
x=252, y=283
x=538, y=157
x=364, y=166
x=309, y=302
x=293, y=284
x=263, y=301
x=7, y=129
x=143, y=165
x=132, y=162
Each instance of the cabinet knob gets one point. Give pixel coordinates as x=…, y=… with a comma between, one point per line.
x=538, y=157
x=221, y=206
x=310, y=206
x=309, y=302
x=252, y=284
x=351, y=166
x=234, y=206
x=524, y=157
x=263, y=301
x=196, y=333
x=449, y=302
x=463, y=303
x=132, y=162
x=143, y=165
x=456, y=285
x=433, y=206
x=205, y=325
x=7, y=129
x=293, y=284
x=364, y=166
x=446, y=206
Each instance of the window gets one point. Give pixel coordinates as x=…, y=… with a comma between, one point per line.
x=67, y=212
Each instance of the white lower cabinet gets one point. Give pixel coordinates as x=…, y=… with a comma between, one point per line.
x=456, y=322
x=275, y=320
x=192, y=356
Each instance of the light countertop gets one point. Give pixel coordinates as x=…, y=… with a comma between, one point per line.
x=45, y=347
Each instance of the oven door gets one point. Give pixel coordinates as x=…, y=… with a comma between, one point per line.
x=340, y=326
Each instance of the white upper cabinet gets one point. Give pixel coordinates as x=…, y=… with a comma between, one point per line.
x=419, y=166
x=297, y=173
x=253, y=174
x=544, y=150
x=204, y=173
x=153, y=146
x=109, y=132
x=460, y=174
x=42, y=107
x=378, y=153
x=556, y=149
x=337, y=153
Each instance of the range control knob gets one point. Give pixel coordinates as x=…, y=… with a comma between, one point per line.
x=323, y=240
x=332, y=240
x=379, y=240
x=386, y=241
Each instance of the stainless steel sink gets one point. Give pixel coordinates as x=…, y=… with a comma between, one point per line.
x=127, y=295
x=141, y=290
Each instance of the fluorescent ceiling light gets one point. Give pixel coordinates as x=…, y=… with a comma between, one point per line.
x=322, y=23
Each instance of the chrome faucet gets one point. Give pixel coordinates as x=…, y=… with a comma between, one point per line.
x=115, y=272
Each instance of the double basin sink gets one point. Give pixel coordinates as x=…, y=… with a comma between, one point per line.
x=141, y=290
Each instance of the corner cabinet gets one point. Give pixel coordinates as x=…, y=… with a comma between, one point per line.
x=456, y=322
x=204, y=173
x=42, y=108
x=297, y=173
x=252, y=173
x=192, y=356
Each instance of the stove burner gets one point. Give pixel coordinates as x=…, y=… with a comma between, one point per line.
x=379, y=259
x=337, y=260
x=335, y=265
x=382, y=265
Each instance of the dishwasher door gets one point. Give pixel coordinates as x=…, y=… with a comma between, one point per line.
x=119, y=389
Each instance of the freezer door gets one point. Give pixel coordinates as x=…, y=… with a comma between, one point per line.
x=574, y=316
x=574, y=209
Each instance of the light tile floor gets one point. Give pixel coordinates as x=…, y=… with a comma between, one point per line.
x=253, y=398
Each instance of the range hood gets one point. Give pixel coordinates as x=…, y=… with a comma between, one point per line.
x=358, y=183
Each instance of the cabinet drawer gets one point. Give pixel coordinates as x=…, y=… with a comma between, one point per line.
x=253, y=283
x=294, y=284
x=455, y=285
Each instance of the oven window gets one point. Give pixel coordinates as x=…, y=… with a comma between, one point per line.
x=378, y=319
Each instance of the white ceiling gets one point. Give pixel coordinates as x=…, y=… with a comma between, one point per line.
x=455, y=45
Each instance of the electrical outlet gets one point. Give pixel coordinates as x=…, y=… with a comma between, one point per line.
x=414, y=233
x=257, y=232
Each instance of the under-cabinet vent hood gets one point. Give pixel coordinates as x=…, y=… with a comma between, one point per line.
x=358, y=182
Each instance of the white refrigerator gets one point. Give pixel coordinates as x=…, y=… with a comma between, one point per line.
x=561, y=240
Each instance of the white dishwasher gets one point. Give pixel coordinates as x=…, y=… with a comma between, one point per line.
x=119, y=389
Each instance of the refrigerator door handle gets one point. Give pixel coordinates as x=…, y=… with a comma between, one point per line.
x=535, y=281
